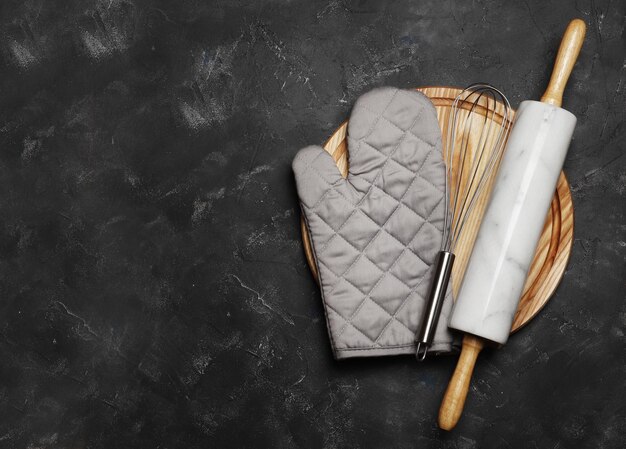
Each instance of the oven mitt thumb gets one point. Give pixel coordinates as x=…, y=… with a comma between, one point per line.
x=376, y=234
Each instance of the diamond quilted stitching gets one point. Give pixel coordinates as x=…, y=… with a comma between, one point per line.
x=347, y=191
x=340, y=253
x=317, y=190
x=364, y=274
x=410, y=268
x=378, y=206
x=368, y=164
x=396, y=225
x=318, y=227
x=432, y=165
x=335, y=319
x=334, y=210
x=429, y=134
x=413, y=307
x=389, y=293
x=396, y=333
x=384, y=250
x=353, y=338
x=359, y=230
x=370, y=320
x=387, y=165
x=411, y=153
x=401, y=112
x=360, y=185
x=394, y=179
x=422, y=198
x=369, y=118
x=429, y=236
x=351, y=335
x=345, y=299
x=327, y=276
x=385, y=137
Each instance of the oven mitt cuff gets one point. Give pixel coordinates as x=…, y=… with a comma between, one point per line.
x=376, y=234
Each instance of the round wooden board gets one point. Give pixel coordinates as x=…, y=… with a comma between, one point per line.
x=554, y=247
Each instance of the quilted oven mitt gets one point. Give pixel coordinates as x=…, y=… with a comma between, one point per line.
x=376, y=234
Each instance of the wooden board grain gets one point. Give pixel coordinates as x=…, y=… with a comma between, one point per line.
x=554, y=247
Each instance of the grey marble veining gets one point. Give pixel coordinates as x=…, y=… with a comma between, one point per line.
x=512, y=224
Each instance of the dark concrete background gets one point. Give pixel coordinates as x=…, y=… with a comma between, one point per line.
x=153, y=288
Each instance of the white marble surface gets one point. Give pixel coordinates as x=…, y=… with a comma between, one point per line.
x=512, y=224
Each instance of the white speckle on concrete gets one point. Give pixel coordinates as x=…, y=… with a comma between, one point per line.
x=22, y=55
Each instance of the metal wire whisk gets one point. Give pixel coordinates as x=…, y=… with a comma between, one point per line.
x=475, y=136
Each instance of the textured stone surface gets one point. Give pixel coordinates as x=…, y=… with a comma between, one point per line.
x=153, y=289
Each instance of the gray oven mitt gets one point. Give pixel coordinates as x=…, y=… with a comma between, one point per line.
x=376, y=234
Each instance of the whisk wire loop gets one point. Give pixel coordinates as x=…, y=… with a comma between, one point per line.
x=471, y=160
x=474, y=143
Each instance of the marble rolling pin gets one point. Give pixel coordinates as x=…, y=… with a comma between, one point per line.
x=512, y=223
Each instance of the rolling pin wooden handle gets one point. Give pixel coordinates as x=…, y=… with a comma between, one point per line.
x=454, y=399
x=565, y=59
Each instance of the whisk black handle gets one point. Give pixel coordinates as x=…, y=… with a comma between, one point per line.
x=436, y=295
